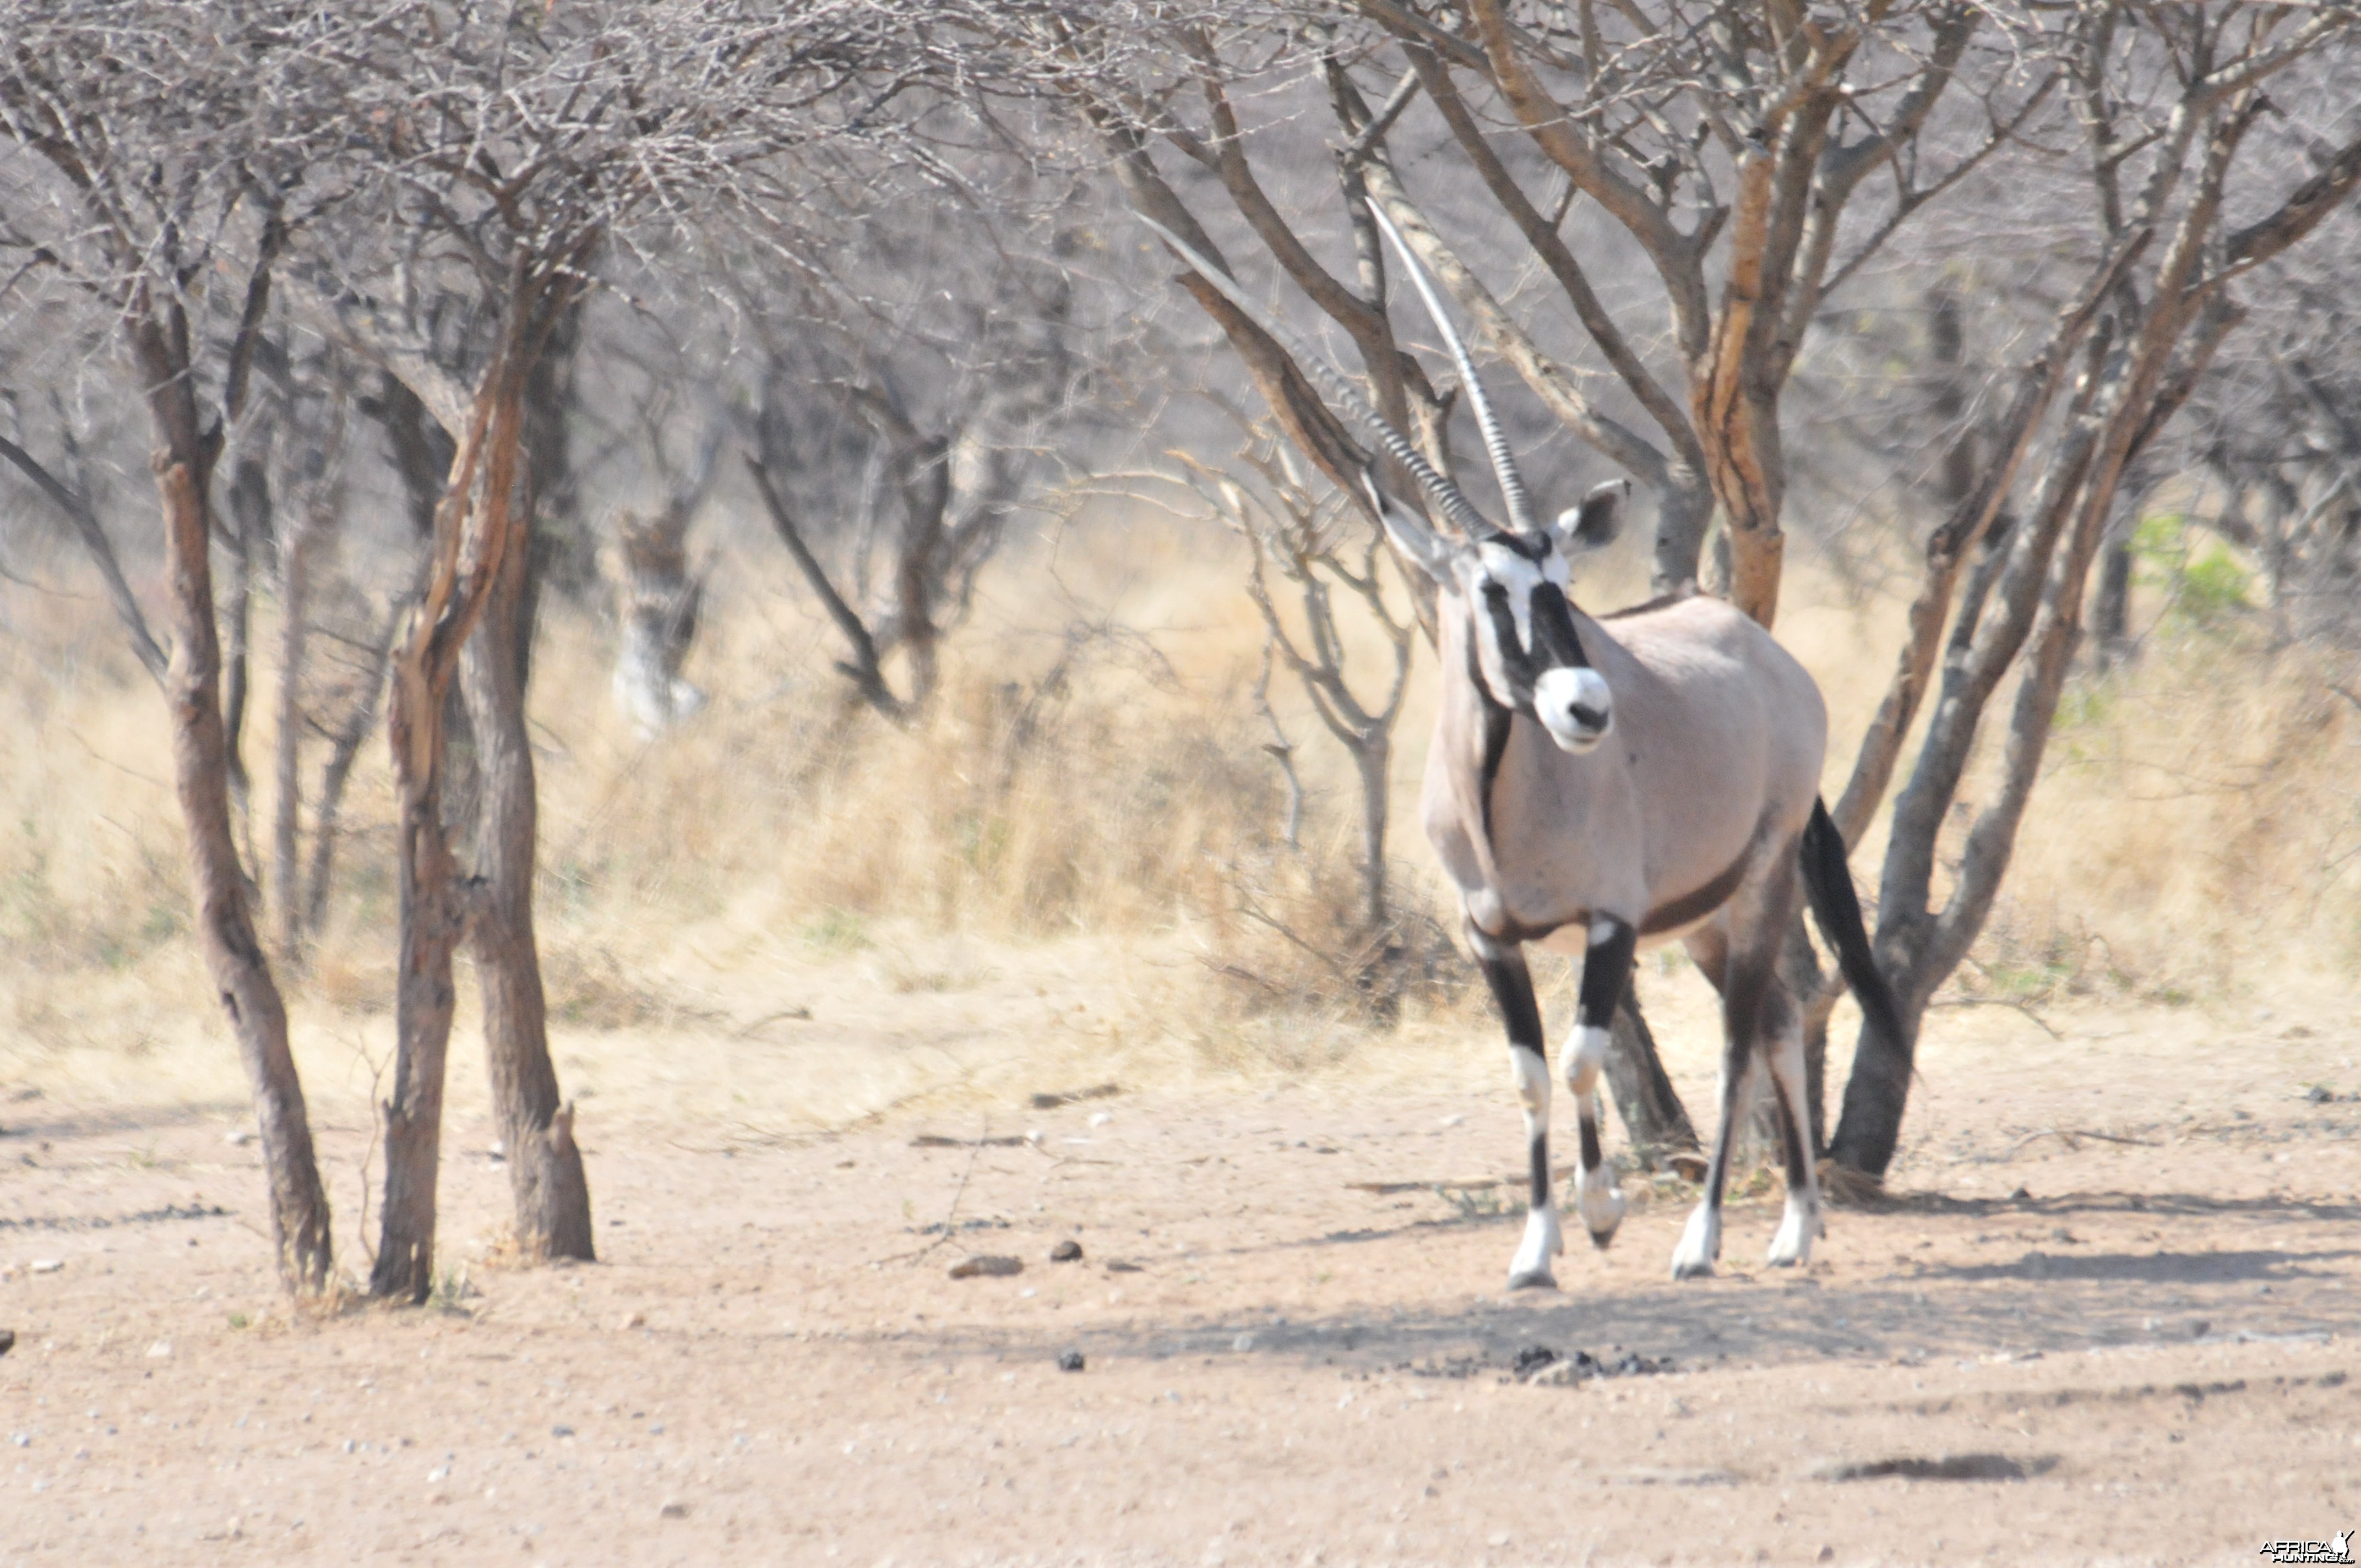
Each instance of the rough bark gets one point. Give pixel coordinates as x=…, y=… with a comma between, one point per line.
x=865, y=672
x=423, y=453
x=343, y=752
x=1653, y=1114
x=287, y=904
x=423, y=450
x=545, y=1177
x=301, y=1240
x=474, y=529
x=249, y=512
x=563, y=558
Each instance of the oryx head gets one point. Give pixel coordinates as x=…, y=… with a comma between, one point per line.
x=1510, y=583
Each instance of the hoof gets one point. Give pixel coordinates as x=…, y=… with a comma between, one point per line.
x=1600, y=1239
x=1533, y=1279
x=1793, y=1244
x=1700, y=1244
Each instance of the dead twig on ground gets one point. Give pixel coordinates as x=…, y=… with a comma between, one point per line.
x=2072, y=1133
x=789, y=1014
x=2010, y=1002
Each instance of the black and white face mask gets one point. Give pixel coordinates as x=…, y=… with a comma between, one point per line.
x=1528, y=650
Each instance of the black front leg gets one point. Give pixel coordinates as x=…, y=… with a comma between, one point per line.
x=1606, y=973
x=1513, y=989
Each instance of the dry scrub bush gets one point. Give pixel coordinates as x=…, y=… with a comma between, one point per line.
x=89, y=873
x=2196, y=833
x=1065, y=781
x=1078, y=799
x=2197, y=829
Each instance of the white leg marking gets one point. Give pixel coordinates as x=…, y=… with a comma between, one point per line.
x=1701, y=1240
x=1595, y=1196
x=1532, y=1090
x=1543, y=1241
x=1700, y=1244
x=1600, y=1202
x=1803, y=1222
x=1586, y=1053
x=1793, y=1244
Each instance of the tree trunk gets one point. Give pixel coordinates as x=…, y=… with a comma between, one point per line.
x=1653, y=1116
x=563, y=557
x=925, y=497
x=423, y=450
x=301, y=1240
x=1373, y=760
x=477, y=528
x=287, y=904
x=423, y=990
x=249, y=509
x=1683, y=516
x=2111, y=606
x=553, y=1197
x=327, y=815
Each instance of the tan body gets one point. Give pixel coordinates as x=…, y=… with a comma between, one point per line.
x=1709, y=711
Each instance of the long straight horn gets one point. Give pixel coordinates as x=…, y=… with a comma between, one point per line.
x=1504, y=462
x=1334, y=384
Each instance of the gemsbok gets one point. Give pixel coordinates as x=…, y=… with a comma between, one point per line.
x=1596, y=785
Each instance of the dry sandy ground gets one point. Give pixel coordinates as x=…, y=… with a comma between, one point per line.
x=771, y=1364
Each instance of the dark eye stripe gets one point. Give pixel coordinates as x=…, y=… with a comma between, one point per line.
x=1515, y=665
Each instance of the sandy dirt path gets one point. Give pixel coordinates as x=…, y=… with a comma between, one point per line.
x=2126, y=1352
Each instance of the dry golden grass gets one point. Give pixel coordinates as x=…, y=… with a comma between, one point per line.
x=1085, y=820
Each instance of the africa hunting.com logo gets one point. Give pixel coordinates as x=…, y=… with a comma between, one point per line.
x=2338, y=1550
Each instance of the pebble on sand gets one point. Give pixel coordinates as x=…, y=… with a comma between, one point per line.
x=986, y=1265
x=1067, y=1251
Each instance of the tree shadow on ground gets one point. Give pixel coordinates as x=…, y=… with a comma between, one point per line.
x=2158, y=1267
x=37, y=1120
x=2039, y=1301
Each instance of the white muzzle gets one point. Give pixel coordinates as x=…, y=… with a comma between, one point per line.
x=1575, y=707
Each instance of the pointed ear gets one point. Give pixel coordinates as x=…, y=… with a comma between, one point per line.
x=1594, y=524
x=1428, y=549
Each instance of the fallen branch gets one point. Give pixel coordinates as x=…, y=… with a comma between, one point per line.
x=2072, y=1134
x=2024, y=1007
x=795, y=1014
x=1047, y=1102
x=950, y=1217
x=1473, y=1184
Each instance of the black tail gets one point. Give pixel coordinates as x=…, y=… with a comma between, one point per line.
x=1828, y=880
